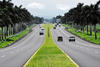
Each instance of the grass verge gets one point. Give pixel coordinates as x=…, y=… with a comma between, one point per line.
x=15, y=38
x=84, y=35
x=49, y=55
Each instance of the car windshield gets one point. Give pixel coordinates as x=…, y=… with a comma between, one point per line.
x=72, y=37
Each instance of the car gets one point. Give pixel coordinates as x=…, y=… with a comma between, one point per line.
x=60, y=38
x=41, y=32
x=59, y=25
x=54, y=27
x=42, y=29
x=71, y=38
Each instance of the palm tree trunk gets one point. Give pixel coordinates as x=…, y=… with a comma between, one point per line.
x=2, y=33
x=10, y=30
x=83, y=28
x=87, y=29
x=14, y=29
x=5, y=32
x=90, y=29
x=95, y=32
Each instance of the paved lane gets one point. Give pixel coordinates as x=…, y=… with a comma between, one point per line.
x=83, y=53
x=18, y=54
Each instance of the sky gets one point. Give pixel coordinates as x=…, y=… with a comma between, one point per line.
x=50, y=8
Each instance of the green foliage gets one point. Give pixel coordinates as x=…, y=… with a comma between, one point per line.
x=84, y=35
x=15, y=38
x=14, y=19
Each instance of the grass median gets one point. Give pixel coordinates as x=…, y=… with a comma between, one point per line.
x=84, y=35
x=50, y=55
x=15, y=38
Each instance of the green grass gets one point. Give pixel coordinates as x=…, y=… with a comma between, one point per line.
x=84, y=35
x=15, y=38
x=49, y=55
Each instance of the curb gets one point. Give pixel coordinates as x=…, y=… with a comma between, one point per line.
x=80, y=37
x=58, y=48
x=68, y=56
x=33, y=55
x=18, y=39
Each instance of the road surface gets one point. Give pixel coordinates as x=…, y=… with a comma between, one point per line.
x=18, y=54
x=85, y=54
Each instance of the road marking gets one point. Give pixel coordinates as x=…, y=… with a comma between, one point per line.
x=80, y=42
x=66, y=54
x=3, y=56
x=11, y=52
x=96, y=52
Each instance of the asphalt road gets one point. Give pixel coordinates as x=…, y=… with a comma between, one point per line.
x=18, y=54
x=85, y=54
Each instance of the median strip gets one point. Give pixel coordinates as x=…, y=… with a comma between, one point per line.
x=50, y=55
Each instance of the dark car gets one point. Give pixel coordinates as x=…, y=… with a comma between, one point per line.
x=42, y=29
x=41, y=32
x=59, y=25
x=60, y=38
x=72, y=38
x=54, y=27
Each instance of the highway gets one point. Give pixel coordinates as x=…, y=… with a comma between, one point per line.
x=85, y=54
x=18, y=54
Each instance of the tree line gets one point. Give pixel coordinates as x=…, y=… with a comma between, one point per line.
x=83, y=16
x=14, y=19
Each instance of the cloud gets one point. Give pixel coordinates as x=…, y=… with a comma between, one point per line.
x=62, y=7
x=35, y=5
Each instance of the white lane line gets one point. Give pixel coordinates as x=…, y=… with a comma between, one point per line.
x=97, y=52
x=15, y=47
x=11, y=52
x=3, y=56
x=80, y=42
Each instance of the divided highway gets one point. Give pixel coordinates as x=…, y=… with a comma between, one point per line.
x=18, y=54
x=83, y=53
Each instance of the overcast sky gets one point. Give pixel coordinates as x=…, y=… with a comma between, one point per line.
x=50, y=8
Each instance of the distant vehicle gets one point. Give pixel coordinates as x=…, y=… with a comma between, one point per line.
x=59, y=25
x=71, y=38
x=55, y=25
x=42, y=29
x=54, y=28
x=41, y=32
x=60, y=38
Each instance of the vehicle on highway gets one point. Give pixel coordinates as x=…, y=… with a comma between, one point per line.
x=60, y=38
x=42, y=29
x=54, y=27
x=41, y=32
x=59, y=25
x=71, y=38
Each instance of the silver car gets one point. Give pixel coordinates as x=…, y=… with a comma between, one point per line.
x=41, y=32
x=71, y=38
